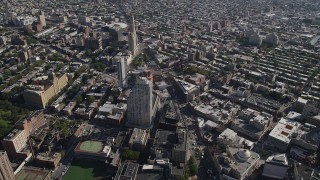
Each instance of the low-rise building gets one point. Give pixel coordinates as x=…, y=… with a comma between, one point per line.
x=138, y=139
x=276, y=167
x=230, y=138
x=251, y=123
x=50, y=160
x=127, y=171
x=187, y=90
x=282, y=134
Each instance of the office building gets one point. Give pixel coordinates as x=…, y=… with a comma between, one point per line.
x=140, y=104
x=43, y=89
x=6, y=171
x=121, y=67
x=133, y=38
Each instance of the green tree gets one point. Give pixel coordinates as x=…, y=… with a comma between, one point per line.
x=130, y=155
x=79, y=99
x=7, y=72
x=90, y=99
x=63, y=153
x=193, y=167
x=99, y=66
x=280, y=114
x=59, y=66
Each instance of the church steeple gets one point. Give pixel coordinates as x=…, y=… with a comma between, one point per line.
x=133, y=39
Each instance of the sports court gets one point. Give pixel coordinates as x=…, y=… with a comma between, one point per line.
x=90, y=146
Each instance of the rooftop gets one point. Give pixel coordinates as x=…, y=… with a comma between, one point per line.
x=127, y=171
x=284, y=130
x=138, y=135
x=28, y=173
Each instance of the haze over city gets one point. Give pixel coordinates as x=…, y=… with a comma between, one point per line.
x=159, y=90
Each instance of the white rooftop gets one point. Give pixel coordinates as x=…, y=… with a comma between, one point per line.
x=284, y=130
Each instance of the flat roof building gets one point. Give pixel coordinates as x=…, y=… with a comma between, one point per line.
x=39, y=95
x=138, y=139
x=282, y=133
x=127, y=171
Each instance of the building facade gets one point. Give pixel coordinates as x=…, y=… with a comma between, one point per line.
x=6, y=171
x=40, y=96
x=121, y=72
x=138, y=139
x=42, y=20
x=15, y=142
x=140, y=104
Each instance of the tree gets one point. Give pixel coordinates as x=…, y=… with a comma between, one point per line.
x=130, y=155
x=62, y=153
x=280, y=114
x=99, y=66
x=59, y=66
x=79, y=99
x=90, y=99
x=7, y=72
x=193, y=167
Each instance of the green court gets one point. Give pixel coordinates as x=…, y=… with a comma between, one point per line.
x=91, y=146
x=85, y=170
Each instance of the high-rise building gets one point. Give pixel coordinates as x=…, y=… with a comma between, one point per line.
x=93, y=43
x=133, y=39
x=15, y=142
x=42, y=19
x=6, y=171
x=121, y=67
x=140, y=105
x=3, y=40
x=83, y=20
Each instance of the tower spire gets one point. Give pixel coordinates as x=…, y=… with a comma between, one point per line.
x=133, y=39
x=132, y=24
